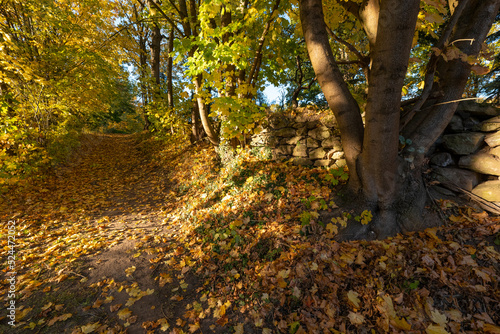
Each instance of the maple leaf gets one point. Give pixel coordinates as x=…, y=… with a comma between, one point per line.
x=130, y=271
x=194, y=327
x=356, y=318
x=238, y=329
x=163, y=323
x=436, y=329
x=89, y=328
x=124, y=314
x=353, y=298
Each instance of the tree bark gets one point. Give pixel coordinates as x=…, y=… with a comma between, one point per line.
x=205, y=120
x=156, y=38
x=392, y=184
x=170, y=86
x=378, y=163
x=331, y=81
x=473, y=25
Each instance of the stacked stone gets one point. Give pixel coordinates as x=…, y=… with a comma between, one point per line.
x=468, y=154
x=307, y=138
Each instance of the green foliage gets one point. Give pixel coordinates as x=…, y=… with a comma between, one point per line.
x=335, y=175
x=365, y=217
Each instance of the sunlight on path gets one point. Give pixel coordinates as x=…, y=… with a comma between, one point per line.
x=92, y=225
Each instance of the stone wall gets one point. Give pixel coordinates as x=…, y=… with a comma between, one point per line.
x=468, y=154
x=308, y=138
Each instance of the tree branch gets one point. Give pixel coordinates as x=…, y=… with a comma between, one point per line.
x=431, y=65
x=172, y=23
x=351, y=47
x=254, y=72
x=352, y=7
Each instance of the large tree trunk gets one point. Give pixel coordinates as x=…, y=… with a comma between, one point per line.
x=378, y=163
x=331, y=81
x=468, y=35
x=390, y=185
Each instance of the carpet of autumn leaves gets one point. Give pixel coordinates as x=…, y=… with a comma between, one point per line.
x=184, y=243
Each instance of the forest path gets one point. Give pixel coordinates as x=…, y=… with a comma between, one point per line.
x=87, y=238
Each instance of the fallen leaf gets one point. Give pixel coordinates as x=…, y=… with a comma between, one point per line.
x=353, y=298
x=90, y=327
x=194, y=327
x=130, y=271
x=164, y=326
x=489, y=328
x=124, y=314
x=438, y=318
x=436, y=329
x=238, y=329
x=356, y=318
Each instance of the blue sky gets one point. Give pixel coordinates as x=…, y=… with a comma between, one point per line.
x=272, y=94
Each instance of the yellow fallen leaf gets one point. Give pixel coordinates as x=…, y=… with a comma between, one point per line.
x=90, y=328
x=401, y=323
x=23, y=313
x=436, y=329
x=194, y=327
x=491, y=329
x=109, y=299
x=284, y=273
x=238, y=329
x=46, y=306
x=333, y=229
x=164, y=324
x=130, y=271
x=356, y=318
x=124, y=314
x=282, y=283
x=438, y=318
x=353, y=298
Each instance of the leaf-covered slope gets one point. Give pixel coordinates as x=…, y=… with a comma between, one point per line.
x=134, y=235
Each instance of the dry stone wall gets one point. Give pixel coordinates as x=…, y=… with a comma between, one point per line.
x=468, y=154
x=307, y=137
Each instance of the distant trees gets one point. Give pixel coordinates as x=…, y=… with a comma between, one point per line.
x=56, y=73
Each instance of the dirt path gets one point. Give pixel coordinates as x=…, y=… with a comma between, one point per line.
x=91, y=233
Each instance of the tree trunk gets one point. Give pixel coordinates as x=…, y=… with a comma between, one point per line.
x=428, y=123
x=170, y=86
x=156, y=38
x=378, y=163
x=391, y=185
x=331, y=81
x=205, y=120
x=196, y=127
